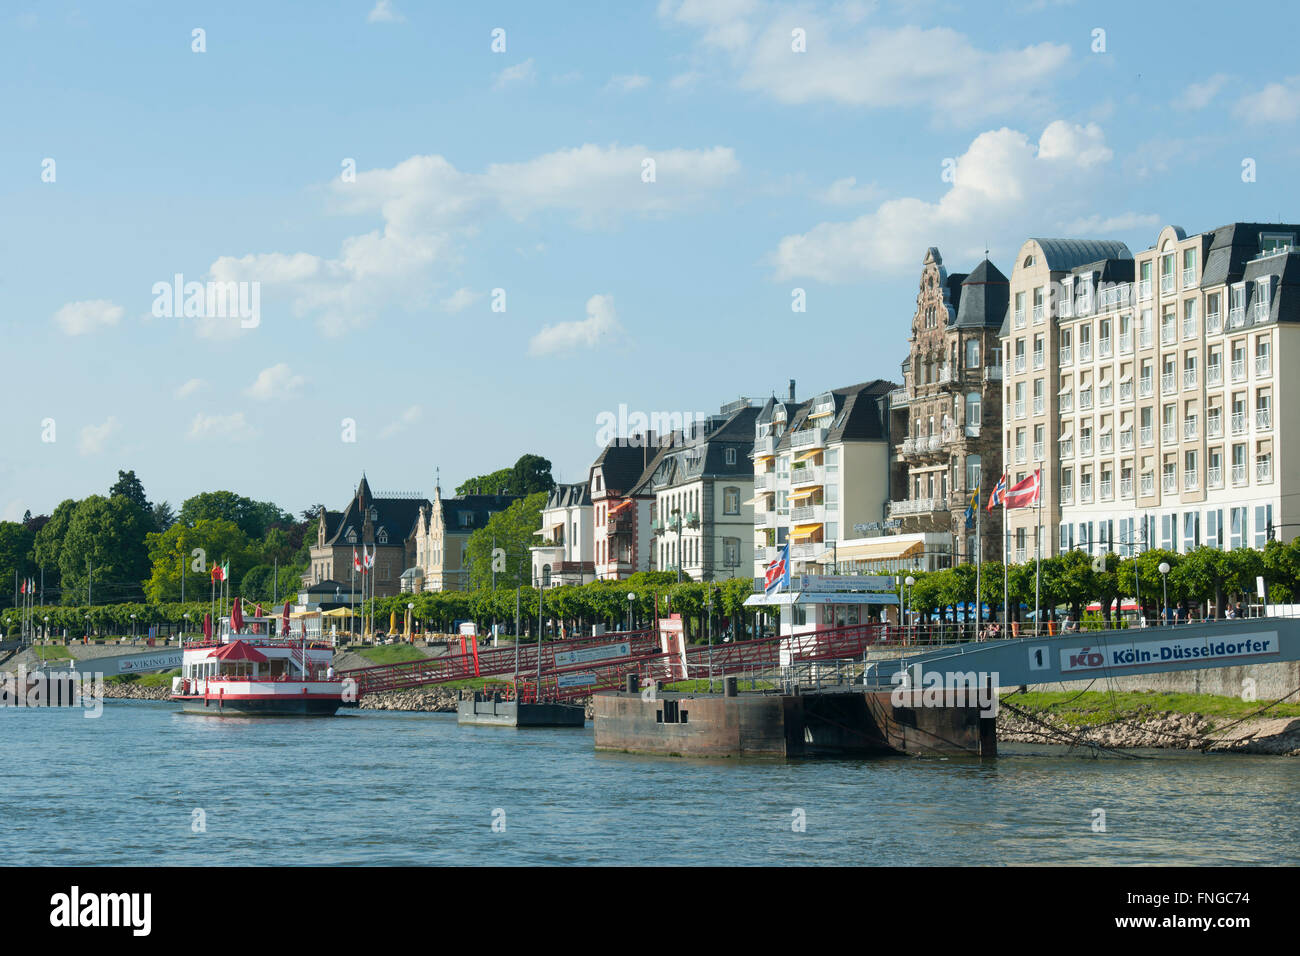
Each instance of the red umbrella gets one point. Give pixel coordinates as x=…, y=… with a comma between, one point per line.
x=238, y=651
x=284, y=628
x=237, y=617
x=207, y=626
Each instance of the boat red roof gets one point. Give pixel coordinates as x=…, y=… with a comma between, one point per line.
x=238, y=651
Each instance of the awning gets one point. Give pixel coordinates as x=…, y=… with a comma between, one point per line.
x=620, y=506
x=825, y=414
x=1066, y=389
x=1067, y=434
x=238, y=651
x=885, y=549
x=805, y=530
x=340, y=612
x=763, y=457
x=809, y=454
x=1126, y=378
x=802, y=493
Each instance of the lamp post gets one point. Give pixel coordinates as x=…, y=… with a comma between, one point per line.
x=677, y=516
x=133, y=627
x=47, y=627
x=410, y=625
x=907, y=594
x=186, y=615
x=1164, y=581
x=631, y=597
x=708, y=605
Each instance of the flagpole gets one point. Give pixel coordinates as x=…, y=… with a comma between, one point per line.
x=979, y=604
x=1006, y=572
x=1038, y=550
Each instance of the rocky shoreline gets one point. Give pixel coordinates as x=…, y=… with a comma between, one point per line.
x=1166, y=731
x=117, y=690
x=439, y=702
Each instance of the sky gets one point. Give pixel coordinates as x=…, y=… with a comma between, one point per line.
x=463, y=232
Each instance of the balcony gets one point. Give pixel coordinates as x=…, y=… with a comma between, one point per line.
x=1038, y=314
x=1085, y=446
x=1239, y=423
x=1190, y=481
x=1263, y=365
x=1148, y=485
x=1237, y=317
x=1020, y=408
x=1167, y=283
x=1167, y=383
x=1103, y=347
x=1125, y=391
x=1214, y=425
x=1040, y=359
x=1146, y=387
x=1189, y=327
x=807, y=476
x=1168, y=335
x=1020, y=364
x=1189, y=429
x=814, y=513
x=1169, y=433
x=1067, y=449
x=1261, y=311
x=897, y=398
x=1126, y=344
x=765, y=481
x=1085, y=399
x=1066, y=354
x=1264, y=470
x=1065, y=403
x=993, y=373
x=1239, y=474
x=1144, y=289
x=1020, y=318
x=1263, y=419
x=809, y=550
x=766, y=519
x=916, y=506
x=1126, y=488
x=1038, y=451
x=1189, y=278
x=1104, y=443
x=1106, y=489
x=1146, y=436
x=1214, y=477
x=808, y=438
x=1085, y=352
x=1038, y=405
x=1067, y=495
x=1104, y=395
x=1144, y=339
x=1238, y=370
x=619, y=523
x=1214, y=374
x=1169, y=483
x=767, y=445
x=1189, y=378
x=1126, y=440
x=1213, y=323
x=1085, y=492
x=1020, y=454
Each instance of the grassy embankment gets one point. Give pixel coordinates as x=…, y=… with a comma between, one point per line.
x=1099, y=707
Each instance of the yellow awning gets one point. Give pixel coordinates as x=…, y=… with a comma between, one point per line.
x=340, y=612
x=828, y=412
x=763, y=457
x=809, y=454
x=805, y=530
x=886, y=549
x=802, y=493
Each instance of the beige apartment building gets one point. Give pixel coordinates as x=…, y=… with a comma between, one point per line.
x=1171, y=405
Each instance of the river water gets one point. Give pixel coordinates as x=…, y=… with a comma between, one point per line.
x=378, y=787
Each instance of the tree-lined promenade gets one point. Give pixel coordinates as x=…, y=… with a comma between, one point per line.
x=1205, y=582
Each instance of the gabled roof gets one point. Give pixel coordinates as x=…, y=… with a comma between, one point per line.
x=706, y=457
x=569, y=496
x=466, y=513
x=622, y=463
x=396, y=516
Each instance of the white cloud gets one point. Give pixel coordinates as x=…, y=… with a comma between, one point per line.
x=408, y=418
x=1197, y=96
x=846, y=192
x=460, y=299
x=220, y=426
x=190, y=387
x=519, y=73
x=385, y=12
x=1001, y=180
x=934, y=68
x=684, y=81
x=276, y=381
x=600, y=324
x=427, y=207
x=94, y=437
x=78, y=318
x=1107, y=226
x=627, y=82
x=1275, y=103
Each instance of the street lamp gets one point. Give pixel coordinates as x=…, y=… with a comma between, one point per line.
x=1164, y=580
x=133, y=627
x=186, y=615
x=47, y=627
x=909, y=581
x=708, y=604
x=410, y=607
x=631, y=596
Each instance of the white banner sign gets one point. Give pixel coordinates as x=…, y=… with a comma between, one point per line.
x=577, y=680
x=1171, y=650
x=588, y=654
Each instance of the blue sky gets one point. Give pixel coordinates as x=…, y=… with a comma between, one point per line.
x=522, y=170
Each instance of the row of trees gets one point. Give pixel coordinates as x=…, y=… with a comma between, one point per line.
x=119, y=547
x=1209, y=578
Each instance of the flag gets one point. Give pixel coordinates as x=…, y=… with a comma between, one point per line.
x=999, y=492
x=970, y=508
x=369, y=557
x=23, y=589
x=215, y=572
x=1024, y=494
x=777, y=575
x=225, y=570
x=356, y=561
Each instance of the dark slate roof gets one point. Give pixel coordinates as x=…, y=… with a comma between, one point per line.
x=1285, y=267
x=862, y=417
x=569, y=496
x=1064, y=254
x=1233, y=246
x=396, y=515
x=478, y=508
x=706, y=457
x=955, y=282
x=1108, y=270
x=984, y=298
x=622, y=464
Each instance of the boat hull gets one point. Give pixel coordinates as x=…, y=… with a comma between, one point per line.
x=276, y=706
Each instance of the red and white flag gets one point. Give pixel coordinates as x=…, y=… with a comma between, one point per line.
x=1024, y=494
x=356, y=561
x=370, y=557
x=23, y=589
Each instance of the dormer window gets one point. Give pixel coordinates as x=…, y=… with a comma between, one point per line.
x=351, y=535
x=374, y=514
x=382, y=536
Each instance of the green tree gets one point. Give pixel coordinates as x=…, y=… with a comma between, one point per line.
x=49, y=544
x=531, y=474
x=171, y=551
x=163, y=516
x=512, y=530
x=130, y=488
x=500, y=481
x=254, y=518
x=15, y=558
x=106, y=538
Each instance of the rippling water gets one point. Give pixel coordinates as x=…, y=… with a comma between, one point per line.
x=392, y=788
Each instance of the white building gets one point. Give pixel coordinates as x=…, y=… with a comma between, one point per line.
x=565, y=553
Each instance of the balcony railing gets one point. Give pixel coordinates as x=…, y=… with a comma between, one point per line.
x=1189, y=378
x=1214, y=425
x=808, y=438
x=1066, y=354
x=1144, y=289
x=1125, y=391
x=916, y=506
x=1103, y=347
x=1085, y=492
x=1237, y=317
x=1020, y=408
x=1067, y=495
x=1238, y=474
x=1067, y=448
x=1189, y=327
x=1167, y=383
x=1038, y=405
x=1169, y=434
x=765, y=481
x=1126, y=440
x=1085, y=446
x=992, y=373
x=1040, y=359
x=1085, y=352
x=1038, y=315
x=1190, y=481
x=1144, y=339
x=1169, y=483
x=1214, y=374
x=1126, y=343
x=1146, y=386
x=1148, y=485
x=897, y=397
x=1167, y=283
x=1038, y=451
x=1085, y=399
x=1020, y=363
x=1126, y=488
x=765, y=446
x=1239, y=370
x=1146, y=436
x=1020, y=318
x=1020, y=454
x=1104, y=394
x=1264, y=470
x=1105, y=490
x=1168, y=334
x=1261, y=311
x=1213, y=323
x=1214, y=477
x=1263, y=365
x=807, y=513
x=1104, y=443
x=1065, y=403
x=1238, y=423
x=1263, y=419
x=1189, y=429
x=1189, y=278
x=806, y=476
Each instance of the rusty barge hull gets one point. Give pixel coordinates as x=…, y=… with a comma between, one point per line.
x=831, y=722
